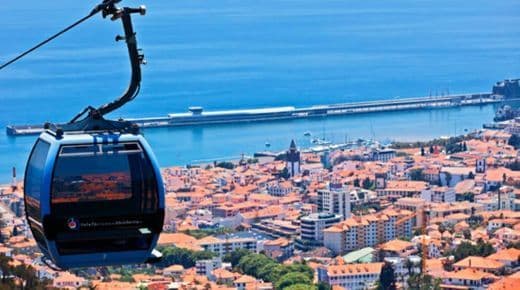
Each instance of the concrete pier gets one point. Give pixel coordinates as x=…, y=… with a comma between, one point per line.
x=197, y=116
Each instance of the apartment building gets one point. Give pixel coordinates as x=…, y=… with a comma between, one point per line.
x=279, y=189
x=206, y=267
x=334, y=200
x=277, y=228
x=350, y=276
x=402, y=188
x=312, y=228
x=224, y=246
x=438, y=194
x=441, y=210
x=370, y=230
x=397, y=248
x=467, y=279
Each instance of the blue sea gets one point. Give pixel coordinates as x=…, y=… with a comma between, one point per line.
x=248, y=54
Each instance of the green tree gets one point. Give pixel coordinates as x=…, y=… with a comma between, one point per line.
x=301, y=286
x=225, y=164
x=367, y=184
x=356, y=182
x=387, y=277
x=267, y=269
x=285, y=173
x=184, y=257
x=251, y=264
x=423, y=282
x=323, y=286
x=291, y=279
x=466, y=249
x=235, y=256
x=301, y=268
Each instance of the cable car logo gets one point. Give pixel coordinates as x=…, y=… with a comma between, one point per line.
x=72, y=224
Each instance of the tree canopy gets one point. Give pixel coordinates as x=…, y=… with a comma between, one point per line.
x=267, y=269
x=466, y=249
x=184, y=257
x=387, y=277
x=293, y=278
x=301, y=286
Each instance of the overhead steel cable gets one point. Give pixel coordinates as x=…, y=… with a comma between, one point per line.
x=94, y=11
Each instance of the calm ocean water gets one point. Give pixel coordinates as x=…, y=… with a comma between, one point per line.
x=247, y=54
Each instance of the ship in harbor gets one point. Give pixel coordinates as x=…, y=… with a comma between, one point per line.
x=198, y=116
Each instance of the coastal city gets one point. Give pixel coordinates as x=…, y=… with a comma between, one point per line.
x=442, y=214
x=268, y=145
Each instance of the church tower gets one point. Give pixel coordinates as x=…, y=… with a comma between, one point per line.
x=293, y=159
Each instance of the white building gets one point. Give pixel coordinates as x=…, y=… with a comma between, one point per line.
x=312, y=226
x=383, y=154
x=224, y=246
x=450, y=176
x=206, y=267
x=335, y=200
x=369, y=230
x=279, y=189
x=438, y=194
x=350, y=276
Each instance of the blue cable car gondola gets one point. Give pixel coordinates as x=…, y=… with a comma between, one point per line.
x=94, y=195
x=94, y=199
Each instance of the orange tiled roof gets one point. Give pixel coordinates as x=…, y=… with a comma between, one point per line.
x=179, y=240
x=354, y=269
x=479, y=262
x=507, y=283
x=468, y=274
x=395, y=245
x=511, y=254
x=245, y=279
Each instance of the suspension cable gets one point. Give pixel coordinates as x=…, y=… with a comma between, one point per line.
x=94, y=11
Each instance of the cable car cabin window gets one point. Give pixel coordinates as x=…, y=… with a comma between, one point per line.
x=34, y=173
x=104, y=180
x=101, y=197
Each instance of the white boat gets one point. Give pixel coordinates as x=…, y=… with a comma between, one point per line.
x=322, y=141
x=307, y=133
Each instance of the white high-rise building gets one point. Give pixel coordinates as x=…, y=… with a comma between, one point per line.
x=335, y=200
x=312, y=227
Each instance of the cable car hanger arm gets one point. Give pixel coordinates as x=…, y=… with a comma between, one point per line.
x=135, y=55
x=94, y=121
